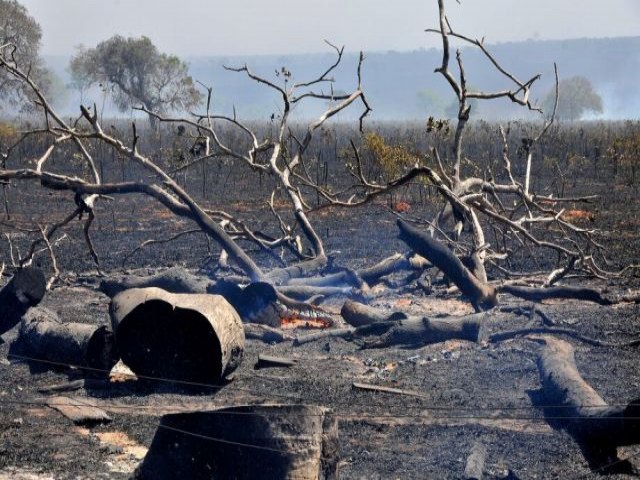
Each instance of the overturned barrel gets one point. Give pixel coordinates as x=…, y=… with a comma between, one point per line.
x=45, y=340
x=25, y=290
x=246, y=442
x=186, y=337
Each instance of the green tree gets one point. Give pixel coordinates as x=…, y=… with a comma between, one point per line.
x=21, y=33
x=431, y=103
x=577, y=97
x=137, y=73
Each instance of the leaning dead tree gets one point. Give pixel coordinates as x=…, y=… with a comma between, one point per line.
x=487, y=216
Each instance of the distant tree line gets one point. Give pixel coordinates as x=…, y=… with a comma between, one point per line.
x=133, y=72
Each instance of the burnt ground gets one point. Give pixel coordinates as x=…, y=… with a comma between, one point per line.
x=469, y=391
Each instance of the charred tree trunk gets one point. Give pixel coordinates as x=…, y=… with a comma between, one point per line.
x=292, y=442
x=597, y=427
x=45, y=338
x=537, y=294
x=358, y=314
x=481, y=295
x=25, y=290
x=189, y=338
x=415, y=332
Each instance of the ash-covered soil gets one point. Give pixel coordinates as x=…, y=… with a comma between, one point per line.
x=468, y=391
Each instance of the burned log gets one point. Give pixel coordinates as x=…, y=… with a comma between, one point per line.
x=25, y=290
x=597, y=427
x=416, y=332
x=537, y=294
x=190, y=338
x=45, y=338
x=358, y=314
x=482, y=295
x=245, y=443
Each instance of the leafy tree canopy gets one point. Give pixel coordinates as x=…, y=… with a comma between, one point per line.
x=577, y=97
x=20, y=33
x=137, y=73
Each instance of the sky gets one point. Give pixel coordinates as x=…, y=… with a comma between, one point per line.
x=257, y=27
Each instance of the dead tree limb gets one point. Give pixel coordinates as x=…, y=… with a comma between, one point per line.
x=537, y=294
x=358, y=315
x=597, y=427
x=481, y=295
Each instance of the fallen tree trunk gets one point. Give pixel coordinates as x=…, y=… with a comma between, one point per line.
x=25, y=290
x=597, y=427
x=415, y=332
x=358, y=314
x=537, y=294
x=292, y=442
x=190, y=338
x=44, y=338
x=304, y=292
x=482, y=295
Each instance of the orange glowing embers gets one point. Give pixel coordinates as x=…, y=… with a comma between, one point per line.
x=293, y=320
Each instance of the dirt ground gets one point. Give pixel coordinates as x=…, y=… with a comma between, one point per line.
x=469, y=391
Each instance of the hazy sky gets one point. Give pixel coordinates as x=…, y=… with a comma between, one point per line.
x=238, y=27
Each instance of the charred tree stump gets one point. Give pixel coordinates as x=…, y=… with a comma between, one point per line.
x=25, y=290
x=44, y=338
x=597, y=427
x=245, y=443
x=189, y=338
x=415, y=332
x=482, y=295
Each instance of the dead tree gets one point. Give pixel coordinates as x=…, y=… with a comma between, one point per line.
x=498, y=202
x=282, y=157
x=503, y=204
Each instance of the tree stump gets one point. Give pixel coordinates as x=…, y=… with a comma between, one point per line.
x=255, y=442
x=191, y=338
